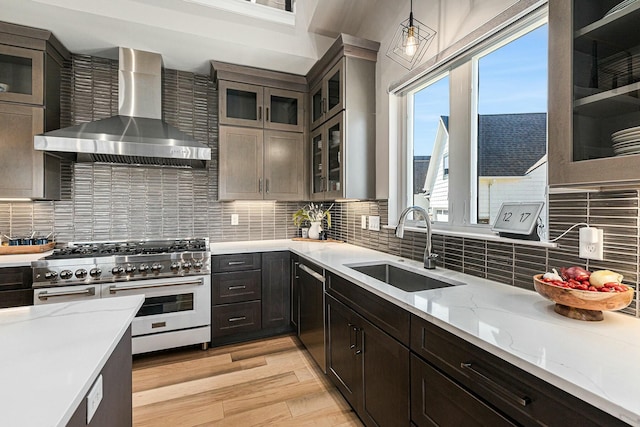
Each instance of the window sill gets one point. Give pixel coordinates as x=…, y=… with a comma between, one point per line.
x=479, y=236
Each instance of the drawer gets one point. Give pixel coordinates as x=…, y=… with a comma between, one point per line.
x=236, y=286
x=387, y=316
x=16, y=298
x=235, y=262
x=235, y=318
x=12, y=278
x=519, y=395
x=437, y=400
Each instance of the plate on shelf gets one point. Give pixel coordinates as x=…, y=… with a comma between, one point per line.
x=625, y=132
x=619, y=7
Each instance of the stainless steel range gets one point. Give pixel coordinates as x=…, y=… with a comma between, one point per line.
x=173, y=275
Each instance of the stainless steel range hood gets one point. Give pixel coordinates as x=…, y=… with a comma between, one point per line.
x=137, y=135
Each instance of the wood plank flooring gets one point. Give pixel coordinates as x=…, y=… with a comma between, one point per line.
x=271, y=382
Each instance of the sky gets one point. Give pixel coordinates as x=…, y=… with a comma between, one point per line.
x=513, y=79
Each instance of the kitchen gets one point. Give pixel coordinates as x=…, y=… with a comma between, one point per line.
x=102, y=202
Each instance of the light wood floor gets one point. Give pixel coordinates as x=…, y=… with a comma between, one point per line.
x=271, y=382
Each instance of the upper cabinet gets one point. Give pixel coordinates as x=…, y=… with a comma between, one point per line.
x=594, y=110
x=262, y=134
x=31, y=61
x=342, y=116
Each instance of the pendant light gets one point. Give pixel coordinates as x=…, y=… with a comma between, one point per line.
x=411, y=41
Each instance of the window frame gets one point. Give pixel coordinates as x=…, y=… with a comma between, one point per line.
x=462, y=66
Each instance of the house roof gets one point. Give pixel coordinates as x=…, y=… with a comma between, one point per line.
x=420, y=168
x=510, y=144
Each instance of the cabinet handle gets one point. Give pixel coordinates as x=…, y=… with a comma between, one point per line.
x=259, y=185
x=260, y=113
x=295, y=270
x=266, y=185
x=352, y=342
x=235, y=263
x=237, y=319
x=521, y=400
x=358, y=343
x=233, y=288
x=266, y=110
x=324, y=105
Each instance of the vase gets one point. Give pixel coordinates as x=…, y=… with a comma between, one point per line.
x=315, y=229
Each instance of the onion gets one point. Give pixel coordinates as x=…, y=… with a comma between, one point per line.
x=576, y=273
x=600, y=277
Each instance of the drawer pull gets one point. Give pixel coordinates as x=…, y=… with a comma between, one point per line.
x=237, y=319
x=236, y=263
x=521, y=400
x=158, y=325
x=233, y=288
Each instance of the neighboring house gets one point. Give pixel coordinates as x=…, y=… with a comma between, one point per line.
x=511, y=164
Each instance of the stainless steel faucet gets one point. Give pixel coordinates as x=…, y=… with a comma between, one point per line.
x=429, y=258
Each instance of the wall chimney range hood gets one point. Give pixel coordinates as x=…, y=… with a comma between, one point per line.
x=137, y=136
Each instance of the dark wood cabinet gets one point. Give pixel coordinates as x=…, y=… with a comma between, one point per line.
x=250, y=296
x=368, y=366
x=498, y=386
x=15, y=287
x=275, y=290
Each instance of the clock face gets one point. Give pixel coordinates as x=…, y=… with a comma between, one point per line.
x=519, y=218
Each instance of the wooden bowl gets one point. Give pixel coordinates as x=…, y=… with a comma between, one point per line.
x=582, y=305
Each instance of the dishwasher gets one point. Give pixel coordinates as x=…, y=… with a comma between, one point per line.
x=311, y=320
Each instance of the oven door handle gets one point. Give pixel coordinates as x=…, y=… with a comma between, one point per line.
x=46, y=295
x=114, y=289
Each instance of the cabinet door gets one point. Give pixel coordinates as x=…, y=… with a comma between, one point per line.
x=316, y=107
x=344, y=362
x=283, y=165
x=334, y=157
x=275, y=290
x=283, y=110
x=22, y=71
x=240, y=163
x=437, y=400
x=311, y=322
x=318, y=163
x=240, y=104
x=15, y=287
x=295, y=293
x=385, y=378
x=334, y=89
x=19, y=171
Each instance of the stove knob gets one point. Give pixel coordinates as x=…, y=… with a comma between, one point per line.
x=50, y=275
x=175, y=266
x=143, y=268
x=66, y=274
x=81, y=273
x=197, y=265
x=130, y=269
x=117, y=270
x=95, y=272
x=156, y=267
x=186, y=265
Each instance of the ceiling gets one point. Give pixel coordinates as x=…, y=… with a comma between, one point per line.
x=189, y=34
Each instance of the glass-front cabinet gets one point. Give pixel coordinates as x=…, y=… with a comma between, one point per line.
x=250, y=105
x=327, y=96
x=594, y=109
x=327, y=159
x=21, y=76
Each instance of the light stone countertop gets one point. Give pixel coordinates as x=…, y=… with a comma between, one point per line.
x=50, y=356
x=23, y=260
x=595, y=361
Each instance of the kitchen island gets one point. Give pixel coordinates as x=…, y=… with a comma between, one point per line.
x=594, y=361
x=52, y=355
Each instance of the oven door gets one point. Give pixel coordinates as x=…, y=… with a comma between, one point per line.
x=169, y=305
x=65, y=294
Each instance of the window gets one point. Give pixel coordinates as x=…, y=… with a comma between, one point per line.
x=480, y=121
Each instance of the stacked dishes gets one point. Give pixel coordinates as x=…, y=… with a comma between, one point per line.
x=626, y=142
x=620, y=6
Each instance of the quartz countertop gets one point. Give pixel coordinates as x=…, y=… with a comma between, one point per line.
x=595, y=361
x=50, y=356
x=23, y=260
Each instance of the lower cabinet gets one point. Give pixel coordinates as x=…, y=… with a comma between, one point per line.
x=369, y=367
x=250, y=296
x=15, y=287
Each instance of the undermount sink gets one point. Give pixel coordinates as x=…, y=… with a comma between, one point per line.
x=400, y=278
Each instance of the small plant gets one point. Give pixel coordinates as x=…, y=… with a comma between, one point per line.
x=312, y=213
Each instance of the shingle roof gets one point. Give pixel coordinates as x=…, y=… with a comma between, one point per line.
x=509, y=144
x=420, y=168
